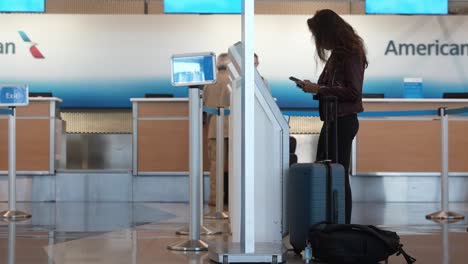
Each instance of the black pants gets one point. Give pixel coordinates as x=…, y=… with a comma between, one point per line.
x=348, y=127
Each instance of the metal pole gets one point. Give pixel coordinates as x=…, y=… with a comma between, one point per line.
x=445, y=244
x=135, y=139
x=11, y=243
x=220, y=160
x=194, y=163
x=219, y=214
x=201, y=179
x=204, y=230
x=194, y=243
x=444, y=177
x=12, y=214
x=52, y=137
x=444, y=214
x=12, y=160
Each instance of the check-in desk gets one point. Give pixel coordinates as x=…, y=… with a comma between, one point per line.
x=409, y=145
x=161, y=136
x=38, y=137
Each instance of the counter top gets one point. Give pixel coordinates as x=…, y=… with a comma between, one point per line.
x=45, y=99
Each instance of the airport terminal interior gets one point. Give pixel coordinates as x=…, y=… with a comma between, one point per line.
x=113, y=153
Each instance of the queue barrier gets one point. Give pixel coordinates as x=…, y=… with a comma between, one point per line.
x=444, y=214
x=6, y=111
x=216, y=111
x=12, y=214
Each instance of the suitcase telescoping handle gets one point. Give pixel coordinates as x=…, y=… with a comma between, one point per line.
x=330, y=111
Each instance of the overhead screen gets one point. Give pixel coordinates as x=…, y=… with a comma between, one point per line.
x=27, y=6
x=202, y=6
x=407, y=7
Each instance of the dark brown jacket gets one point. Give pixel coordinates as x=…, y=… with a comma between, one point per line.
x=342, y=77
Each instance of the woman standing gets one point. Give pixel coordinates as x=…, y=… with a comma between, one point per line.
x=344, y=55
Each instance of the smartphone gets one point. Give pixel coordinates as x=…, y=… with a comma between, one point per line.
x=294, y=79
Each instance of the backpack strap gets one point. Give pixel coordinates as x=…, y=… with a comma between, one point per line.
x=409, y=259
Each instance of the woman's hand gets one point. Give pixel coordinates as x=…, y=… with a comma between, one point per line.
x=308, y=86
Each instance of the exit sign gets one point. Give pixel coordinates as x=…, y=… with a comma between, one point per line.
x=14, y=95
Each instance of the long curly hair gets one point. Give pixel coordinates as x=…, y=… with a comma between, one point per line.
x=331, y=32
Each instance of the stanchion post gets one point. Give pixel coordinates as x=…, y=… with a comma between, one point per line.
x=219, y=213
x=12, y=214
x=444, y=214
x=445, y=244
x=444, y=183
x=11, y=243
x=194, y=243
x=204, y=230
x=12, y=160
x=220, y=160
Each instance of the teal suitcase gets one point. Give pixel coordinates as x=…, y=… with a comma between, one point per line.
x=316, y=191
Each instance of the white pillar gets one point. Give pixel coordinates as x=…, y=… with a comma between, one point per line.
x=248, y=125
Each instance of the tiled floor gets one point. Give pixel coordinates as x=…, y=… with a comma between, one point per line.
x=129, y=233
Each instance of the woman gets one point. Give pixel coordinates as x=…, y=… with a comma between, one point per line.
x=344, y=55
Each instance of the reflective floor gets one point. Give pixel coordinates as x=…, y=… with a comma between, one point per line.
x=129, y=233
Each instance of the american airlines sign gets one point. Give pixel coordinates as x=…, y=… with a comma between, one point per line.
x=435, y=48
x=9, y=48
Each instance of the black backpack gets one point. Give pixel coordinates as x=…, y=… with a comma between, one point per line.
x=354, y=244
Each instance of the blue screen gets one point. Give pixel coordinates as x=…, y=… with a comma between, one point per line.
x=407, y=7
x=22, y=5
x=203, y=6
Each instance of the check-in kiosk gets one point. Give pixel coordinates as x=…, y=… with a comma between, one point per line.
x=271, y=169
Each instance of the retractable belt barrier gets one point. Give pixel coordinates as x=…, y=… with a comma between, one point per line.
x=457, y=111
x=215, y=111
x=6, y=111
x=444, y=214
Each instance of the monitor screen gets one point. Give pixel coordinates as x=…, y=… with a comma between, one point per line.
x=203, y=6
x=37, y=6
x=407, y=7
x=193, y=69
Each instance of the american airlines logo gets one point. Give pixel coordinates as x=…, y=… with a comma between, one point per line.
x=9, y=48
x=35, y=52
x=435, y=48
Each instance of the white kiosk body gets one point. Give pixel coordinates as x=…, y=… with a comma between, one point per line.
x=271, y=159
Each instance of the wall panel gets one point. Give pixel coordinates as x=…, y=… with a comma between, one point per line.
x=95, y=6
